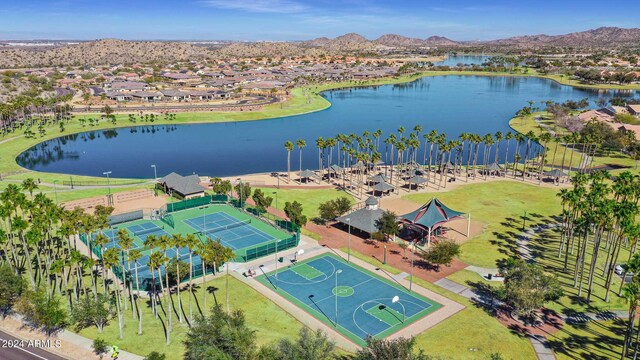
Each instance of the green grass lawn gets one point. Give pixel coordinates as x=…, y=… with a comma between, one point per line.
x=375, y=262
x=464, y=277
x=471, y=334
x=571, y=157
x=593, y=340
x=310, y=199
x=495, y=204
x=270, y=322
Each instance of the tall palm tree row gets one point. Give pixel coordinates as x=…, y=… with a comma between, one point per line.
x=38, y=239
x=471, y=152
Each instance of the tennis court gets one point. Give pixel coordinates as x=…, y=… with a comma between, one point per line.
x=249, y=236
x=345, y=296
x=231, y=232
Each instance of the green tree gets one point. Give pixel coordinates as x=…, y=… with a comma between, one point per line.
x=12, y=286
x=387, y=225
x=527, y=288
x=29, y=185
x=220, y=335
x=99, y=347
x=42, y=311
x=154, y=355
x=243, y=191
x=262, y=201
x=309, y=345
x=294, y=213
x=396, y=349
x=91, y=310
x=441, y=253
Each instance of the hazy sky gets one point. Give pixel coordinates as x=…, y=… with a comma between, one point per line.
x=304, y=19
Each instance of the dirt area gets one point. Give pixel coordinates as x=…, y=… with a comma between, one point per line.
x=148, y=201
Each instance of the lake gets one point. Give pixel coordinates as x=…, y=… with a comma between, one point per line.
x=448, y=104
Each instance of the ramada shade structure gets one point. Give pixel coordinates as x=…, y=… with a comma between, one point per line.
x=555, y=173
x=364, y=219
x=306, y=174
x=382, y=187
x=378, y=178
x=431, y=216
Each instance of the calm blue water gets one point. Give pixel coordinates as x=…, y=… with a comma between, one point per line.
x=454, y=60
x=448, y=104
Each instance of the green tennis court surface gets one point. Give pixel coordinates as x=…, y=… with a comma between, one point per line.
x=343, y=295
x=307, y=271
x=248, y=236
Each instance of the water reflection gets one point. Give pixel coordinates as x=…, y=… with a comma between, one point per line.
x=448, y=104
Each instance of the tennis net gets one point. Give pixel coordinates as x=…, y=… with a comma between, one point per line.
x=145, y=231
x=226, y=227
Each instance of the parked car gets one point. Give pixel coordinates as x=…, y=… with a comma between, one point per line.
x=620, y=269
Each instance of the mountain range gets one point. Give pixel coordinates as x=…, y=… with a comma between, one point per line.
x=110, y=51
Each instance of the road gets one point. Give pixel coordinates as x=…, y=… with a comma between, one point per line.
x=25, y=352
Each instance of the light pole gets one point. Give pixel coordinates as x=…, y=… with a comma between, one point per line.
x=107, y=173
x=240, y=194
x=396, y=299
x=411, y=277
x=349, y=241
x=55, y=190
x=276, y=194
x=337, y=272
x=155, y=172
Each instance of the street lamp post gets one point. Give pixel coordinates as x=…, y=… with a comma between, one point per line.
x=349, y=241
x=396, y=299
x=107, y=173
x=276, y=194
x=241, y=202
x=55, y=190
x=411, y=277
x=337, y=272
x=155, y=172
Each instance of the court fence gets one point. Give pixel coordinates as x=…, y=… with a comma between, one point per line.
x=126, y=217
x=188, y=204
x=145, y=279
x=277, y=222
x=268, y=248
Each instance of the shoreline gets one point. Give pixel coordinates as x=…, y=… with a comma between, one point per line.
x=314, y=102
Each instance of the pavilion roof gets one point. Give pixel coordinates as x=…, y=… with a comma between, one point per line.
x=382, y=187
x=432, y=214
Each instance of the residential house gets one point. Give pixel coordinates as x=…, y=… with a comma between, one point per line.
x=148, y=96
x=175, y=95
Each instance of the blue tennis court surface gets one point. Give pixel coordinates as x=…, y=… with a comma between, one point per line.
x=111, y=234
x=364, y=299
x=231, y=232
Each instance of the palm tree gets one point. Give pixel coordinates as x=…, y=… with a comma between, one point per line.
x=29, y=185
x=150, y=242
x=301, y=145
x=498, y=136
x=109, y=261
x=545, y=138
x=288, y=145
x=164, y=242
x=191, y=242
x=101, y=240
x=156, y=260
x=507, y=137
x=178, y=242
x=133, y=257
x=126, y=242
